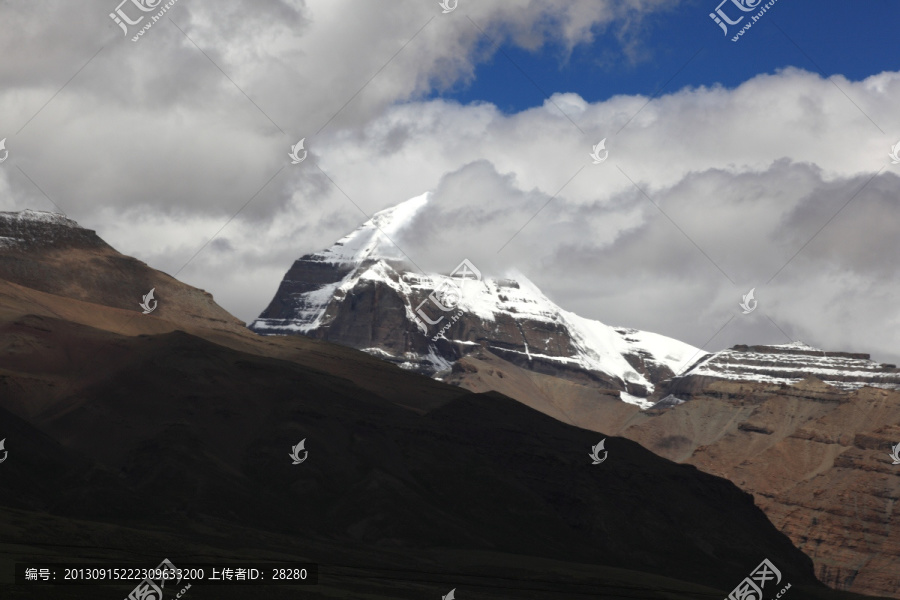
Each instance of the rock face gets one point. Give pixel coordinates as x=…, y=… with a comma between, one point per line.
x=50, y=253
x=790, y=363
x=360, y=293
x=815, y=457
x=32, y=229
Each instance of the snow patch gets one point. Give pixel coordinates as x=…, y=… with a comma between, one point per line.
x=39, y=216
x=786, y=368
x=643, y=403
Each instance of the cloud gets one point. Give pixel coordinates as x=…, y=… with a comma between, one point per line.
x=708, y=191
x=682, y=268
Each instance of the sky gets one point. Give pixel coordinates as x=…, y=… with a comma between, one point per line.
x=757, y=164
x=680, y=46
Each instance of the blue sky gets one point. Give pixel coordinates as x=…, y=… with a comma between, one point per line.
x=854, y=39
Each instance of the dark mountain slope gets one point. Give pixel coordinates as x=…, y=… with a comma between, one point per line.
x=199, y=433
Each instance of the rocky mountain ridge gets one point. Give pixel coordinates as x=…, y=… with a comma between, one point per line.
x=789, y=364
x=51, y=253
x=815, y=457
x=361, y=293
x=31, y=228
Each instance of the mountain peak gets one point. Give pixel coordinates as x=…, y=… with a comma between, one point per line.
x=39, y=216
x=50, y=253
x=36, y=229
x=360, y=294
x=375, y=238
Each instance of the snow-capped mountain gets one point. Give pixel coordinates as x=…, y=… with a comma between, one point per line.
x=362, y=293
x=791, y=363
x=28, y=227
